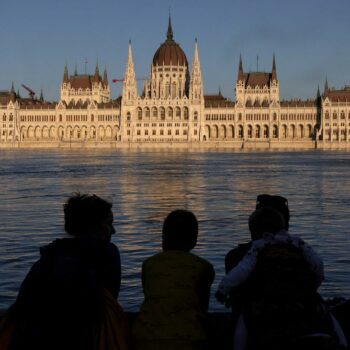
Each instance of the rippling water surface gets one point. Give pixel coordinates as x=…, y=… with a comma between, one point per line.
x=220, y=187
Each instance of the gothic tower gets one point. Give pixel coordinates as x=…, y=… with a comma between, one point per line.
x=129, y=83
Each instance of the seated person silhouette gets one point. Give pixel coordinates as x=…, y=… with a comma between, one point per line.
x=176, y=285
x=60, y=301
x=274, y=286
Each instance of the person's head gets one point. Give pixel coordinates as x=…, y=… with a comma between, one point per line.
x=263, y=220
x=180, y=231
x=88, y=215
x=276, y=202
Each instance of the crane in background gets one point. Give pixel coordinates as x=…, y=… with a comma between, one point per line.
x=31, y=93
x=120, y=80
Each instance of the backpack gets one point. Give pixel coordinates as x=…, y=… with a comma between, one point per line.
x=285, y=304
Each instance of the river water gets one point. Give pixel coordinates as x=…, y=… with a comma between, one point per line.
x=219, y=187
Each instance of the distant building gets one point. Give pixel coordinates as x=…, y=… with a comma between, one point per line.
x=172, y=110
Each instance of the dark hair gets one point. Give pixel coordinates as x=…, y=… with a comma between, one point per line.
x=84, y=213
x=265, y=220
x=180, y=231
x=278, y=203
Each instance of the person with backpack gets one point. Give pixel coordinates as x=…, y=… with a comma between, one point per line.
x=273, y=283
x=267, y=228
x=63, y=300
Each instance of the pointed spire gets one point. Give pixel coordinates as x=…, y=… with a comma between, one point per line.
x=196, y=83
x=129, y=83
x=13, y=88
x=76, y=70
x=18, y=95
x=41, y=98
x=318, y=95
x=130, y=64
x=169, y=34
x=105, y=78
x=97, y=74
x=240, y=76
x=220, y=91
x=274, y=72
x=196, y=56
x=326, y=86
x=65, y=74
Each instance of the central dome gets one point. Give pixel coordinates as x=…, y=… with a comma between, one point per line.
x=170, y=53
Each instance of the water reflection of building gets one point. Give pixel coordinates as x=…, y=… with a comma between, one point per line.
x=173, y=110
x=165, y=191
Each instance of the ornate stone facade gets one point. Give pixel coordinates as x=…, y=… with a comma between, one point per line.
x=172, y=110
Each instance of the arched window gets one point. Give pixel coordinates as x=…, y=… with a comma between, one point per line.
x=173, y=90
x=178, y=112
x=257, y=131
x=275, y=132
x=167, y=90
x=284, y=131
x=250, y=131
x=240, y=132
x=147, y=112
x=185, y=113
x=139, y=113
x=154, y=112
x=195, y=116
x=170, y=112
x=266, y=131
x=162, y=113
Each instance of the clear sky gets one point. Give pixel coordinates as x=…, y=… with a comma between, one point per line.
x=310, y=38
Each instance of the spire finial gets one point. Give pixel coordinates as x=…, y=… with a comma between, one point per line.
x=65, y=73
x=105, y=78
x=12, y=87
x=97, y=73
x=41, y=95
x=76, y=69
x=240, y=76
x=169, y=34
x=274, y=72
x=326, y=85
x=318, y=92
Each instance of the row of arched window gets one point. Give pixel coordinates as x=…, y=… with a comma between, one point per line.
x=335, y=115
x=257, y=103
x=258, y=131
x=69, y=133
x=163, y=113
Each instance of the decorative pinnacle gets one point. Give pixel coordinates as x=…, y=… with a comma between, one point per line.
x=169, y=34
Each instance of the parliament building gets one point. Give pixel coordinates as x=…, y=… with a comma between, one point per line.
x=173, y=111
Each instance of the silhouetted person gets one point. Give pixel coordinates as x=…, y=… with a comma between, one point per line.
x=176, y=285
x=60, y=302
x=267, y=230
x=273, y=283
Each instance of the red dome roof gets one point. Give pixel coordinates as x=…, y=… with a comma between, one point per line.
x=170, y=53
